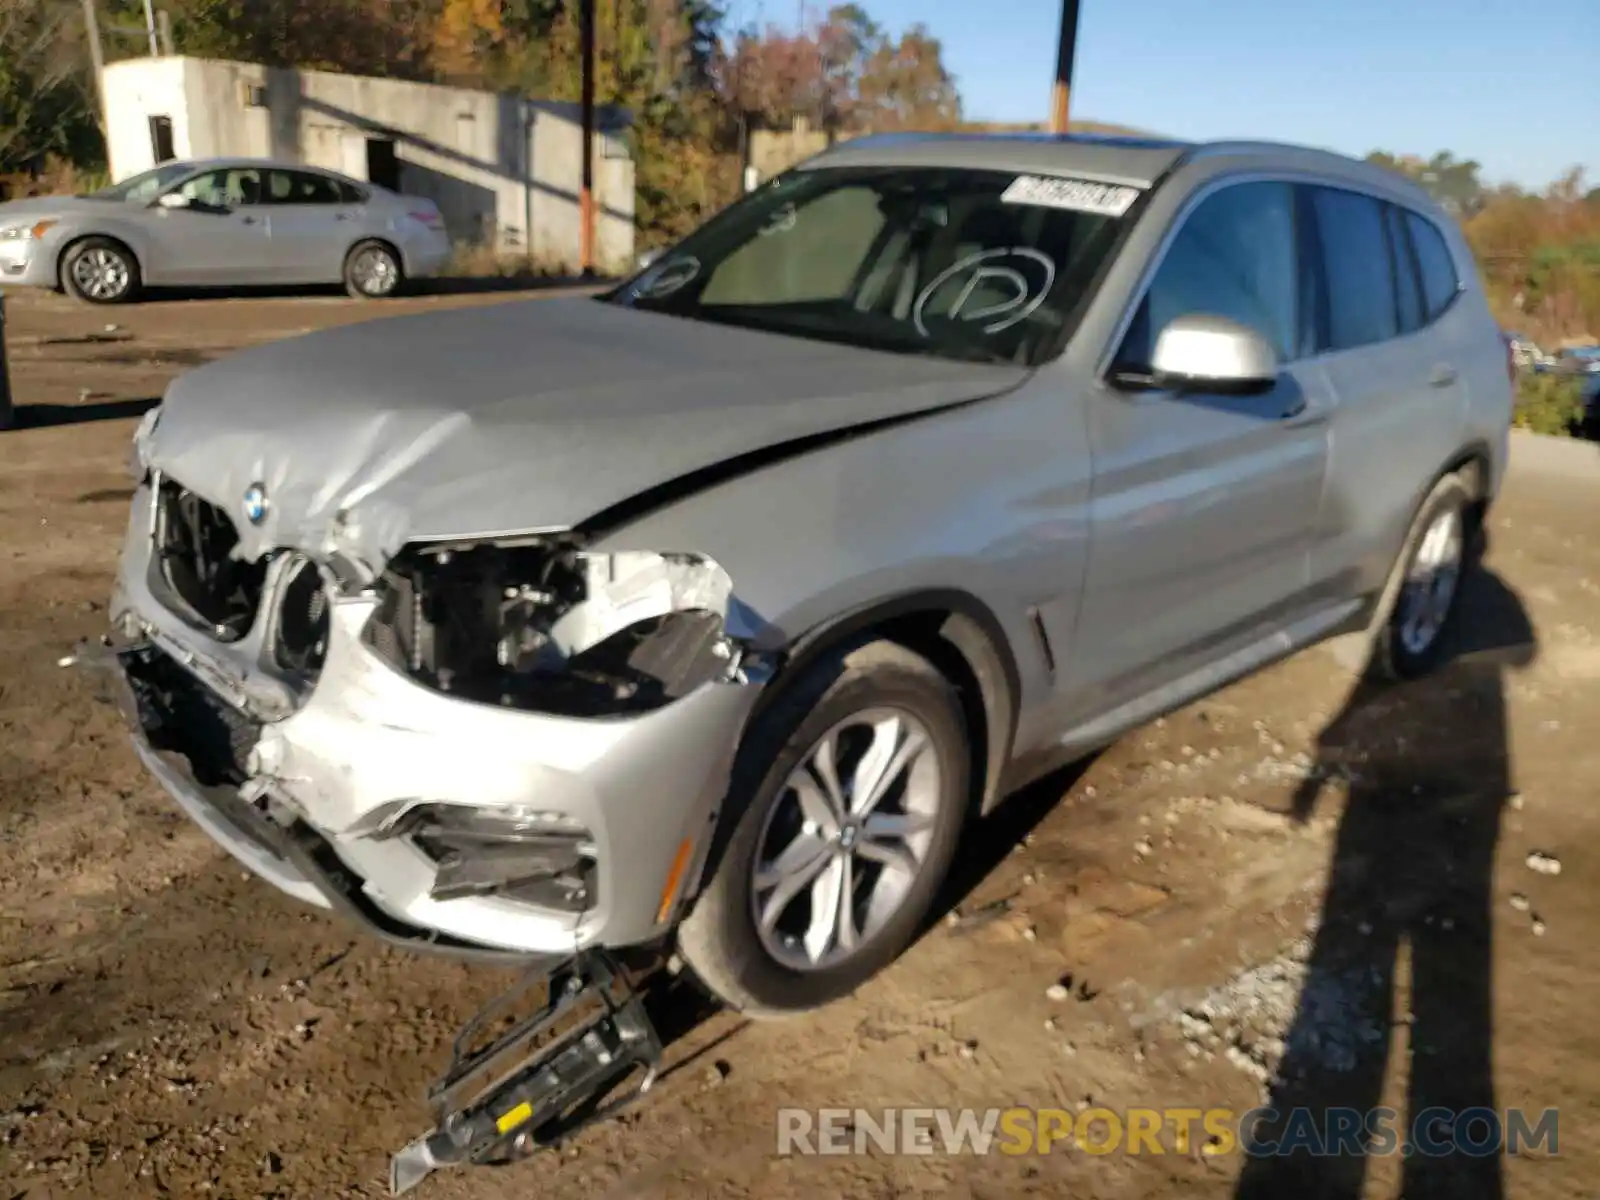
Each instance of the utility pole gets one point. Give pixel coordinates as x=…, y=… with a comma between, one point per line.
x=150, y=28
x=97, y=62
x=1065, y=53
x=586, y=191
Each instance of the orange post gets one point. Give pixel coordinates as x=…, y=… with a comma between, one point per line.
x=1065, y=53
x=586, y=214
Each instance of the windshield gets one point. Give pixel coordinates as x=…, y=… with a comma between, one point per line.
x=975, y=265
x=146, y=186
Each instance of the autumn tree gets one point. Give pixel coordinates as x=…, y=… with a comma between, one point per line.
x=845, y=72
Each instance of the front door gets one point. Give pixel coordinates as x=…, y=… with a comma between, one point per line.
x=1204, y=506
x=220, y=238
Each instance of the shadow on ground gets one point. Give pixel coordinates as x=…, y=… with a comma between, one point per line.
x=43, y=416
x=1401, y=963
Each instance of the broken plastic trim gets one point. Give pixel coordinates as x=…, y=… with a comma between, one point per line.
x=550, y=1075
x=545, y=859
x=543, y=625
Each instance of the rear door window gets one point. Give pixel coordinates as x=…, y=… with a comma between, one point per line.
x=1355, y=258
x=298, y=187
x=1440, y=283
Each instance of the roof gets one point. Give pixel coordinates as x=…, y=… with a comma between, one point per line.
x=248, y=160
x=1111, y=158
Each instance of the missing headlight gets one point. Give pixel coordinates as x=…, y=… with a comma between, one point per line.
x=548, y=627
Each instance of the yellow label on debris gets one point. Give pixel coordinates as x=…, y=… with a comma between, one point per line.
x=510, y=1119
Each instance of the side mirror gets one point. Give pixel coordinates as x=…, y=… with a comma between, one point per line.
x=1201, y=352
x=172, y=200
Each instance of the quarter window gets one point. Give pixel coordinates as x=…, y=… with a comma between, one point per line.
x=1407, y=288
x=1355, y=257
x=1234, y=257
x=1440, y=282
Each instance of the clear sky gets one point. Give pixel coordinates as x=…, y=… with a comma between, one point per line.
x=1516, y=88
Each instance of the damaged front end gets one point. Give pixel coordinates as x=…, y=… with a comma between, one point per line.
x=501, y=748
x=545, y=626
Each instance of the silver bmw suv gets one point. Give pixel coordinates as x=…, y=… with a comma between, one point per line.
x=708, y=612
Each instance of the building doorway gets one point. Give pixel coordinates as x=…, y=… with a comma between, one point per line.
x=383, y=164
x=161, y=146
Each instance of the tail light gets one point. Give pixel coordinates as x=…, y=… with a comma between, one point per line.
x=427, y=216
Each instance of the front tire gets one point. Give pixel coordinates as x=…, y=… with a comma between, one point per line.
x=846, y=801
x=98, y=270
x=373, y=271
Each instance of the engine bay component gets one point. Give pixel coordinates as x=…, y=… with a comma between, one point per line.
x=549, y=627
x=195, y=541
x=301, y=643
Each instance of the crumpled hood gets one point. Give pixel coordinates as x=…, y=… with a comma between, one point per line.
x=511, y=418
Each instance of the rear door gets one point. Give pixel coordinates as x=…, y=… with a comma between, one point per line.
x=1392, y=356
x=311, y=225
x=1204, y=505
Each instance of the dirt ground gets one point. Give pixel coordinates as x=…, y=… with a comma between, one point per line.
x=1289, y=881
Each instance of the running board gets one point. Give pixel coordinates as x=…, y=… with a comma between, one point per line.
x=551, y=1074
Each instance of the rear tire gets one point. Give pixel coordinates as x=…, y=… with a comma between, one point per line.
x=373, y=271
x=98, y=270
x=741, y=938
x=1409, y=633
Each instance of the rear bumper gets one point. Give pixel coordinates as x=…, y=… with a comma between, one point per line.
x=425, y=254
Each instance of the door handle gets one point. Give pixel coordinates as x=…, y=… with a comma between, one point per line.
x=1443, y=376
x=247, y=220
x=341, y=216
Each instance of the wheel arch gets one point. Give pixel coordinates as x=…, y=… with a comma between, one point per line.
x=1474, y=463
x=78, y=239
x=373, y=239
x=961, y=636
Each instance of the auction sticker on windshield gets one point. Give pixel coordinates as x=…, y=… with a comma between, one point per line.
x=1078, y=195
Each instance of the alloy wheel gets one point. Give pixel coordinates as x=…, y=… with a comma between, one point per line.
x=846, y=839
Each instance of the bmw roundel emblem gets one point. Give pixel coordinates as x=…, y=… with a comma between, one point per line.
x=255, y=504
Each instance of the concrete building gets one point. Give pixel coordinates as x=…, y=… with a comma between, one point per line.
x=504, y=170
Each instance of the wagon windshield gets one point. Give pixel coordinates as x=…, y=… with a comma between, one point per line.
x=985, y=266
